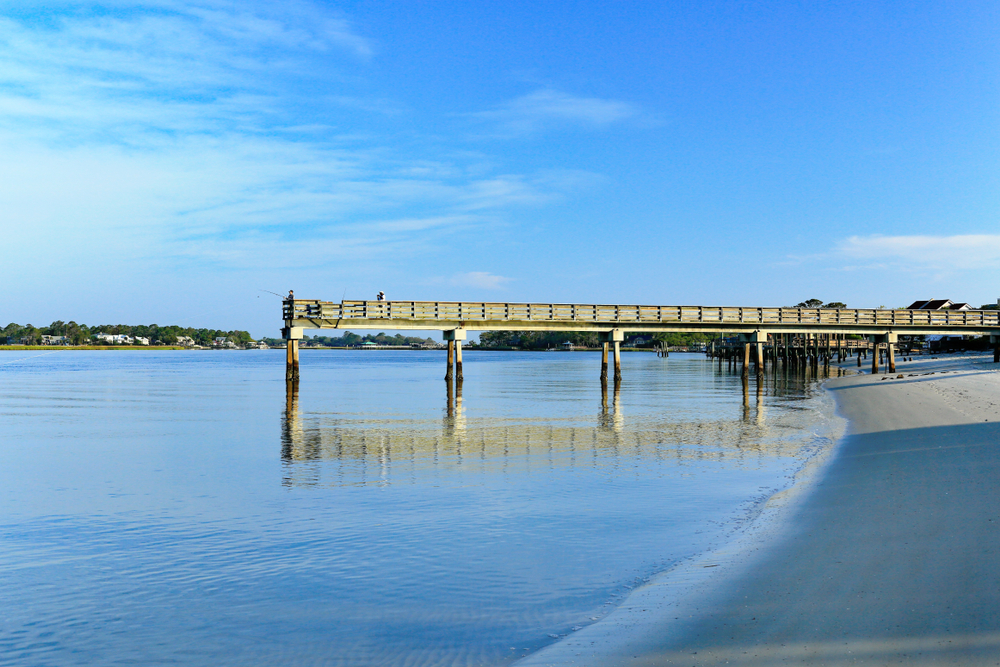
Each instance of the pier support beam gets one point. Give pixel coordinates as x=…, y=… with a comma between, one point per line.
x=618, y=361
x=889, y=339
x=995, y=342
x=292, y=336
x=615, y=338
x=890, y=350
x=757, y=339
x=454, y=338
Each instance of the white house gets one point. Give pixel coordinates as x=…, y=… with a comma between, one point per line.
x=186, y=341
x=114, y=339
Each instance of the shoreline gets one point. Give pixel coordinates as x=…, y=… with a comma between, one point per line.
x=880, y=552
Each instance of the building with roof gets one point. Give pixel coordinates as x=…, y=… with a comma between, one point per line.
x=938, y=304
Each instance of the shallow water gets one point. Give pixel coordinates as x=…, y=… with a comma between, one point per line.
x=189, y=508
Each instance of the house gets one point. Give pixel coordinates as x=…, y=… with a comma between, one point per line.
x=141, y=340
x=186, y=341
x=113, y=339
x=638, y=341
x=567, y=346
x=223, y=342
x=940, y=343
x=938, y=304
x=54, y=340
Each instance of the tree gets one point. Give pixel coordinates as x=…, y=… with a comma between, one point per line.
x=818, y=303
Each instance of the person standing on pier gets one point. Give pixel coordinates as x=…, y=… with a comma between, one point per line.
x=380, y=296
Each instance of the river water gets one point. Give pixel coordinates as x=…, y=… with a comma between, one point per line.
x=189, y=508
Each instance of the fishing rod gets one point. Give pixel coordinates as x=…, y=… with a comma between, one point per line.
x=280, y=296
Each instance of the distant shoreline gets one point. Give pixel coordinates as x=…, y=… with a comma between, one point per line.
x=57, y=348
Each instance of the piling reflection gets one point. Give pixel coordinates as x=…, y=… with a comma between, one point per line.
x=612, y=419
x=370, y=449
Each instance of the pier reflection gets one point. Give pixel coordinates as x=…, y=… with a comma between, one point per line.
x=341, y=449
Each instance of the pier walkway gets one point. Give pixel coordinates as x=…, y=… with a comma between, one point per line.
x=756, y=326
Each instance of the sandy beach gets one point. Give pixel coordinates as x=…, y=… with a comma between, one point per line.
x=887, y=553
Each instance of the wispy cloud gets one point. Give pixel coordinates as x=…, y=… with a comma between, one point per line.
x=480, y=279
x=550, y=108
x=191, y=131
x=960, y=251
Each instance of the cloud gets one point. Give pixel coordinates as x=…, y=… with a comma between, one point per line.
x=182, y=133
x=549, y=108
x=960, y=251
x=480, y=279
x=164, y=67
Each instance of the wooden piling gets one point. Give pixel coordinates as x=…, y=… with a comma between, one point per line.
x=292, y=360
x=890, y=356
x=875, y=354
x=618, y=362
x=449, y=374
x=760, y=358
x=746, y=360
x=458, y=360
x=604, y=361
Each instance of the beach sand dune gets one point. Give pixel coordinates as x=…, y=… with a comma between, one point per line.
x=892, y=557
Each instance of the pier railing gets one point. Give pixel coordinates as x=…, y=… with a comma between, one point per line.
x=479, y=313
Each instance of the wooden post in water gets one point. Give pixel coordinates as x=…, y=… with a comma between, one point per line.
x=875, y=351
x=613, y=337
x=454, y=338
x=618, y=362
x=746, y=360
x=757, y=339
x=292, y=336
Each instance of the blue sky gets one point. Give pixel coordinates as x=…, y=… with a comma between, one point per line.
x=164, y=161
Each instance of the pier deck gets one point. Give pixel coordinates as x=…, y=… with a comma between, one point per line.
x=612, y=322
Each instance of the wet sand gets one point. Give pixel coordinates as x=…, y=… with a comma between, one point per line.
x=889, y=555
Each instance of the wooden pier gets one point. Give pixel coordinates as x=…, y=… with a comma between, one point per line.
x=758, y=328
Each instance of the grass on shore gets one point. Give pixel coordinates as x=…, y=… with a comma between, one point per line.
x=56, y=348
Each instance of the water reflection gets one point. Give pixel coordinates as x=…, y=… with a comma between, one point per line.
x=613, y=419
x=381, y=449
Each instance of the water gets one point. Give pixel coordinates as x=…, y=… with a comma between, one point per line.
x=183, y=508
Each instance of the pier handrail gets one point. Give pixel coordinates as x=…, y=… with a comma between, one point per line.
x=482, y=312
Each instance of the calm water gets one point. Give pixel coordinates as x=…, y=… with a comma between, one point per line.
x=183, y=508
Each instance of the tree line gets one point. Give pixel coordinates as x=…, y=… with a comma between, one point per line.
x=82, y=334
x=544, y=340
x=349, y=339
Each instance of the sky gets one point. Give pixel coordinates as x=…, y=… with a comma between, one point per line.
x=165, y=161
